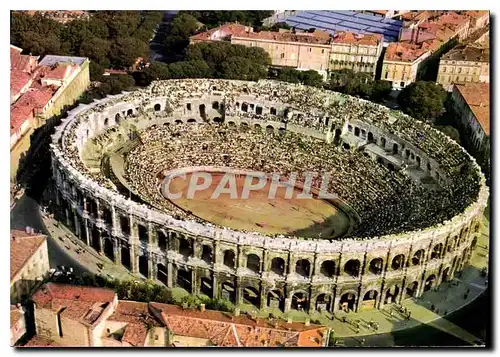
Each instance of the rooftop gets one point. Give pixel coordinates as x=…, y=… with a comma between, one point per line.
x=477, y=97
x=475, y=53
x=37, y=341
x=15, y=315
x=403, y=52
x=85, y=304
x=50, y=60
x=22, y=247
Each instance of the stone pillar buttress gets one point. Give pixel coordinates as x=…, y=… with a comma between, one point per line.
x=117, y=251
x=215, y=286
x=134, y=259
x=170, y=275
x=87, y=233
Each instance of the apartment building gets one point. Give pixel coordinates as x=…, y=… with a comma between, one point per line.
x=29, y=262
x=463, y=64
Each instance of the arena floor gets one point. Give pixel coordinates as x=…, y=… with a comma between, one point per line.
x=310, y=217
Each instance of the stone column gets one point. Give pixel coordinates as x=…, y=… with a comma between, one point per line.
x=117, y=251
x=170, y=275
x=288, y=304
x=134, y=264
x=152, y=267
x=77, y=224
x=195, y=282
x=116, y=229
x=87, y=233
x=237, y=291
x=215, y=287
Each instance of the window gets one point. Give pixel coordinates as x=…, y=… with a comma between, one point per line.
x=323, y=51
x=444, y=69
x=282, y=55
x=402, y=84
x=310, y=49
x=386, y=75
x=156, y=337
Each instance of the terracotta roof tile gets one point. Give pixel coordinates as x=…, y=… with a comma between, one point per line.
x=403, y=52
x=22, y=248
x=15, y=315
x=37, y=341
x=135, y=334
x=477, y=97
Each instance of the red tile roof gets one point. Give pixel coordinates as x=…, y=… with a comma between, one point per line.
x=15, y=315
x=81, y=303
x=21, y=62
x=223, y=329
x=352, y=38
x=22, y=248
x=33, y=101
x=37, y=341
x=18, y=80
x=477, y=97
x=403, y=52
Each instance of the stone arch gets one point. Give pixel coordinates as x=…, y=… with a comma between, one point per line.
x=376, y=266
x=395, y=148
x=370, y=137
x=436, y=251
x=430, y=282
x=352, y=267
x=275, y=299
x=218, y=120
x=356, y=131
x=270, y=129
x=162, y=274
x=418, y=257
x=178, y=122
x=144, y=266
x=473, y=243
x=300, y=301
x=272, y=111
x=228, y=292
x=281, y=131
x=117, y=119
x=244, y=125
x=143, y=233
x=446, y=275
x=109, y=250
x=162, y=240
x=346, y=146
x=412, y=289
x=244, y=107
x=303, y=267
x=391, y=294
x=185, y=247
x=398, y=262
x=231, y=123
x=349, y=127
x=206, y=254
x=106, y=122
x=338, y=132
x=251, y=296
x=382, y=142
x=125, y=254
x=130, y=112
x=206, y=286
x=328, y=268
x=96, y=241
x=278, y=266
x=323, y=302
x=215, y=105
x=258, y=110
x=229, y=258
x=370, y=299
x=157, y=107
x=191, y=121
x=257, y=126
x=253, y=263
x=348, y=301
x=184, y=279
x=202, y=110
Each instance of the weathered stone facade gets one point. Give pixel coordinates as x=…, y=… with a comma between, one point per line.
x=289, y=273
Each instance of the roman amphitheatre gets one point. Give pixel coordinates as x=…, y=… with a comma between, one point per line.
x=406, y=212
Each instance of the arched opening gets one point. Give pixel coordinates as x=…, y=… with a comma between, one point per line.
x=338, y=132
x=125, y=253
x=363, y=133
x=162, y=274
x=157, y=107
x=130, y=112
x=376, y=266
x=349, y=127
x=117, y=119
x=124, y=225
x=436, y=252
x=143, y=233
x=162, y=240
x=206, y=286
x=109, y=250
x=106, y=122
x=244, y=107
x=328, y=268
x=238, y=105
x=178, y=121
x=257, y=126
x=244, y=126
x=411, y=290
x=278, y=266
x=382, y=142
x=300, y=302
x=273, y=111
x=429, y=167
x=188, y=106
x=96, y=243
x=275, y=300
x=270, y=129
x=390, y=166
x=202, y=110
x=473, y=244
x=251, y=296
x=418, y=161
x=107, y=216
x=398, y=262
x=407, y=153
x=446, y=275
x=370, y=137
x=418, y=257
x=231, y=124
x=218, y=120
x=252, y=106
x=429, y=282
x=185, y=248
x=191, y=121
x=380, y=161
x=370, y=299
x=347, y=301
x=215, y=105
x=395, y=148
x=281, y=131
x=303, y=267
x=323, y=302
x=346, y=146
x=391, y=295
x=253, y=263
x=228, y=292
x=356, y=131
x=229, y=258
x=258, y=110
x=206, y=254
x=144, y=266
x=352, y=267
x=184, y=279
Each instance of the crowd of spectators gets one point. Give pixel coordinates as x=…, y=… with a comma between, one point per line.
x=386, y=201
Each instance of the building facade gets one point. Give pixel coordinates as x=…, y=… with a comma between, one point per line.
x=401, y=63
x=29, y=262
x=464, y=64
x=17, y=324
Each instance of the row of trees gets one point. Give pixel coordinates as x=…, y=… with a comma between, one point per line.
x=109, y=38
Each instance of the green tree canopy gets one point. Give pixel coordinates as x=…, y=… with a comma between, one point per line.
x=216, y=18
x=423, y=100
x=124, y=51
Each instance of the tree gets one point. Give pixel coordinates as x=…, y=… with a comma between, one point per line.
x=96, y=49
x=182, y=27
x=156, y=71
x=190, y=69
x=216, y=18
x=96, y=71
x=450, y=131
x=125, y=51
x=423, y=100
x=311, y=78
x=380, y=90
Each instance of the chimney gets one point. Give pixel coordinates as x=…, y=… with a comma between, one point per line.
x=202, y=307
x=236, y=311
x=307, y=322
